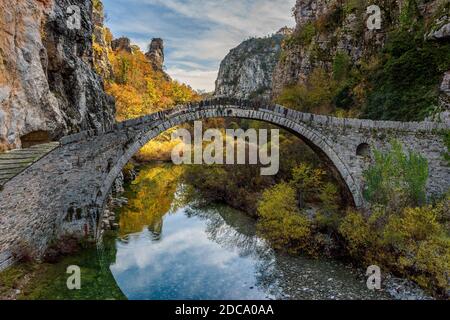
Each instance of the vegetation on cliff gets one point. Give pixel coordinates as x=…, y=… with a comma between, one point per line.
x=141, y=90
x=390, y=74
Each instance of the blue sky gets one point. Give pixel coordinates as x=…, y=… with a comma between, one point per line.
x=197, y=34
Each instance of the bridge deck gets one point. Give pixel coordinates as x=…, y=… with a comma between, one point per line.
x=14, y=162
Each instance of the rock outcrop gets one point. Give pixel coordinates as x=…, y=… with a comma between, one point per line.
x=156, y=53
x=309, y=48
x=247, y=71
x=121, y=44
x=48, y=86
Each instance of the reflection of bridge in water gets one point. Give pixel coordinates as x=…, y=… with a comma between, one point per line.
x=63, y=193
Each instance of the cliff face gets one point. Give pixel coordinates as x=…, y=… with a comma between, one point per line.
x=324, y=28
x=102, y=39
x=247, y=70
x=48, y=87
x=358, y=66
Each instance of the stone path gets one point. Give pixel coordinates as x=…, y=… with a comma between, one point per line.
x=15, y=161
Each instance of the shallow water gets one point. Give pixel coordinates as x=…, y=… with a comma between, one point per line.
x=167, y=249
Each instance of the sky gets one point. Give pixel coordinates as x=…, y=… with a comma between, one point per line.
x=197, y=34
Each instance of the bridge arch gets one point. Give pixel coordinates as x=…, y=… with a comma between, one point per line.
x=151, y=128
x=64, y=192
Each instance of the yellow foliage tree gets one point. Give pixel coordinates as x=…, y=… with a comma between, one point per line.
x=281, y=222
x=140, y=90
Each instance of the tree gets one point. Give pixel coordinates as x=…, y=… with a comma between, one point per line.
x=281, y=222
x=307, y=181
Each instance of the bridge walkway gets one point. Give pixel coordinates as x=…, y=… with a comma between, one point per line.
x=15, y=161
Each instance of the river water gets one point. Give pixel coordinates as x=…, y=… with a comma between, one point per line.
x=170, y=248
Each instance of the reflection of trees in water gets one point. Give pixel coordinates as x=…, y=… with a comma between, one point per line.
x=158, y=192
x=280, y=276
x=150, y=198
x=235, y=231
x=228, y=228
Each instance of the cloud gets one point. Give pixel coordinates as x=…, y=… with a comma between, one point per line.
x=197, y=34
x=197, y=79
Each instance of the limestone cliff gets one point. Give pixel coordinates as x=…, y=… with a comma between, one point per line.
x=372, y=73
x=247, y=70
x=48, y=87
x=102, y=39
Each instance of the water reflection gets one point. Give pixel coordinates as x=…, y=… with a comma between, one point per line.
x=170, y=247
x=182, y=250
x=151, y=197
x=184, y=264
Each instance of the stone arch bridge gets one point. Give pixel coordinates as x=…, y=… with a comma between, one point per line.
x=63, y=193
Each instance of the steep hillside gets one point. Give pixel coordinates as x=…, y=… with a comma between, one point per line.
x=139, y=82
x=247, y=70
x=48, y=87
x=333, y=63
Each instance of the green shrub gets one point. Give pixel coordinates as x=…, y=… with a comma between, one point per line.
x=341, y=66
x=303, y=37
x=351, y=6
x=409, y=13
x=396, y=180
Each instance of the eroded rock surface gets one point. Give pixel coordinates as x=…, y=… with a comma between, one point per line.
x=47, y=81
x=247, y=71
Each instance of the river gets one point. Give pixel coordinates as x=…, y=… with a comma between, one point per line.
x=170, y=248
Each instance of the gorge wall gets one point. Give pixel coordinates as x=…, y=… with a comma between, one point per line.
x=48, y=86
x=391, y=73
x=247, y=70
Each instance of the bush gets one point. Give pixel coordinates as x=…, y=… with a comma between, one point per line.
x=396, y=180
x=356, y=232
x=281, y=222
x=413, y=225
x=412, y=243
x=420, y=247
